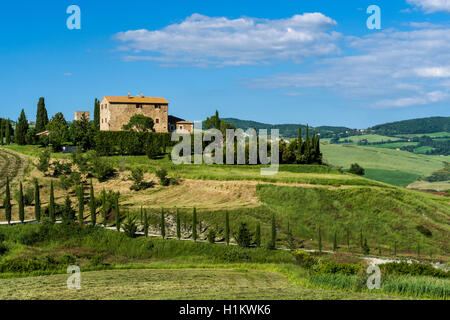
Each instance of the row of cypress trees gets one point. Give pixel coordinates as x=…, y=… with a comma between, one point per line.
x=6, y=131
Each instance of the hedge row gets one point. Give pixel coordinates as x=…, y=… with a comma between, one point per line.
x=129, y=142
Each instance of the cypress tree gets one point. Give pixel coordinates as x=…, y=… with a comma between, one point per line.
x=8, y=132
x=145, y=224
x=97, y=114
x=273, y=242
x=51, y=206
x=194, y=225
x=21, y=129
x=320, y=240
x=299, y=135
x=37, y=201
x=92, y=206
x=80, y=194
x=361, y=243
x=227, y=228
x=163, y=224
x=69, y=214
x=178, y=226
x=104, y=211
x=217, y=120
x=117, y=213
x=348, y=239
x=1, y=132
x=335, y=241
x=258, y=235
x=21, y=204
x=7, y=203
x=41, y=116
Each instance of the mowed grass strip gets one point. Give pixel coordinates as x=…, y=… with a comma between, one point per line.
x=185, y=284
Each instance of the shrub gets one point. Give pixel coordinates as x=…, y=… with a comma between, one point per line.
x=130, y=227
x=418, y=269
x=356, y=169
x=305, y=259
x=243, y=236
x=211, y=236
x=44, y=161
x=3, y=249
x=330, y=267
x=101, y=169
x=162, y=176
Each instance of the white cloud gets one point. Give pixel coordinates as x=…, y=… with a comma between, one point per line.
x=431, y=6
x=389, y=69
x=201, y=40
x=434, y=72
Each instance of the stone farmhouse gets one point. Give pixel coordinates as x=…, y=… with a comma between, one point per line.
x=117, y=111
x=79, y=115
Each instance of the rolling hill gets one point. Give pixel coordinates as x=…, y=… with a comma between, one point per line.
x=286, y=130
x=414, y=126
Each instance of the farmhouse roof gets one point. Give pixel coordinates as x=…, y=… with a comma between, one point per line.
x=131, y=99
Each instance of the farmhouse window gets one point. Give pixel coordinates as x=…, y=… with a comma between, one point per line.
x=139, y=106
x=157, y=120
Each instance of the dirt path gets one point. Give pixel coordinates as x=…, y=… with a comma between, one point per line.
x=13, y=165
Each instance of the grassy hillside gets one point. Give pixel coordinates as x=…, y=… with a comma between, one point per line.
x=387, y=165
x=384, y=216
x=422, y=125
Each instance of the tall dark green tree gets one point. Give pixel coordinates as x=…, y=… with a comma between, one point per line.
x=146, y=223
x=41, y=116
x=7, y=132
x=217, y=120
x=348, y=239
x=117, y=213
x=2, y=132
x=227, y=228
x=320, y=240
x=37, y=201
x=7, y=202
x=80, y=196
x=194, y=225
x=178, y=225
x=163, y=224
x=104, y=208
x=69, y=213
x=21, y=204
x=21, y=129
x=395, y=248
x=92, y=206
x=273, y=240
x=335, y=246
x=51, y=205
x=97, y=114
x=258, y=235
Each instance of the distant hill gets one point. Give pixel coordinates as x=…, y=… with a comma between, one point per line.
x=286, y=130
x=414, y=126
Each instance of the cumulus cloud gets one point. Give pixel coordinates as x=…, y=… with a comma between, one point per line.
x=431, y=6
x=389, y=69
x=201, y=40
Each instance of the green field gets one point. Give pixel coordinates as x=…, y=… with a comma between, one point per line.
x=178, y=284
x=431, y=135
x=114, y=266
x=406, y=165
x=371, y=138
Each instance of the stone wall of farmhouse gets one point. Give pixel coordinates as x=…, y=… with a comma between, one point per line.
x=114, y=116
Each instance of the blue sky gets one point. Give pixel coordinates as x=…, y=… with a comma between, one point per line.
x=280, y=61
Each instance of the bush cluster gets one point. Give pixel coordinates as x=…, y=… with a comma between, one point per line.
x=132, y=143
